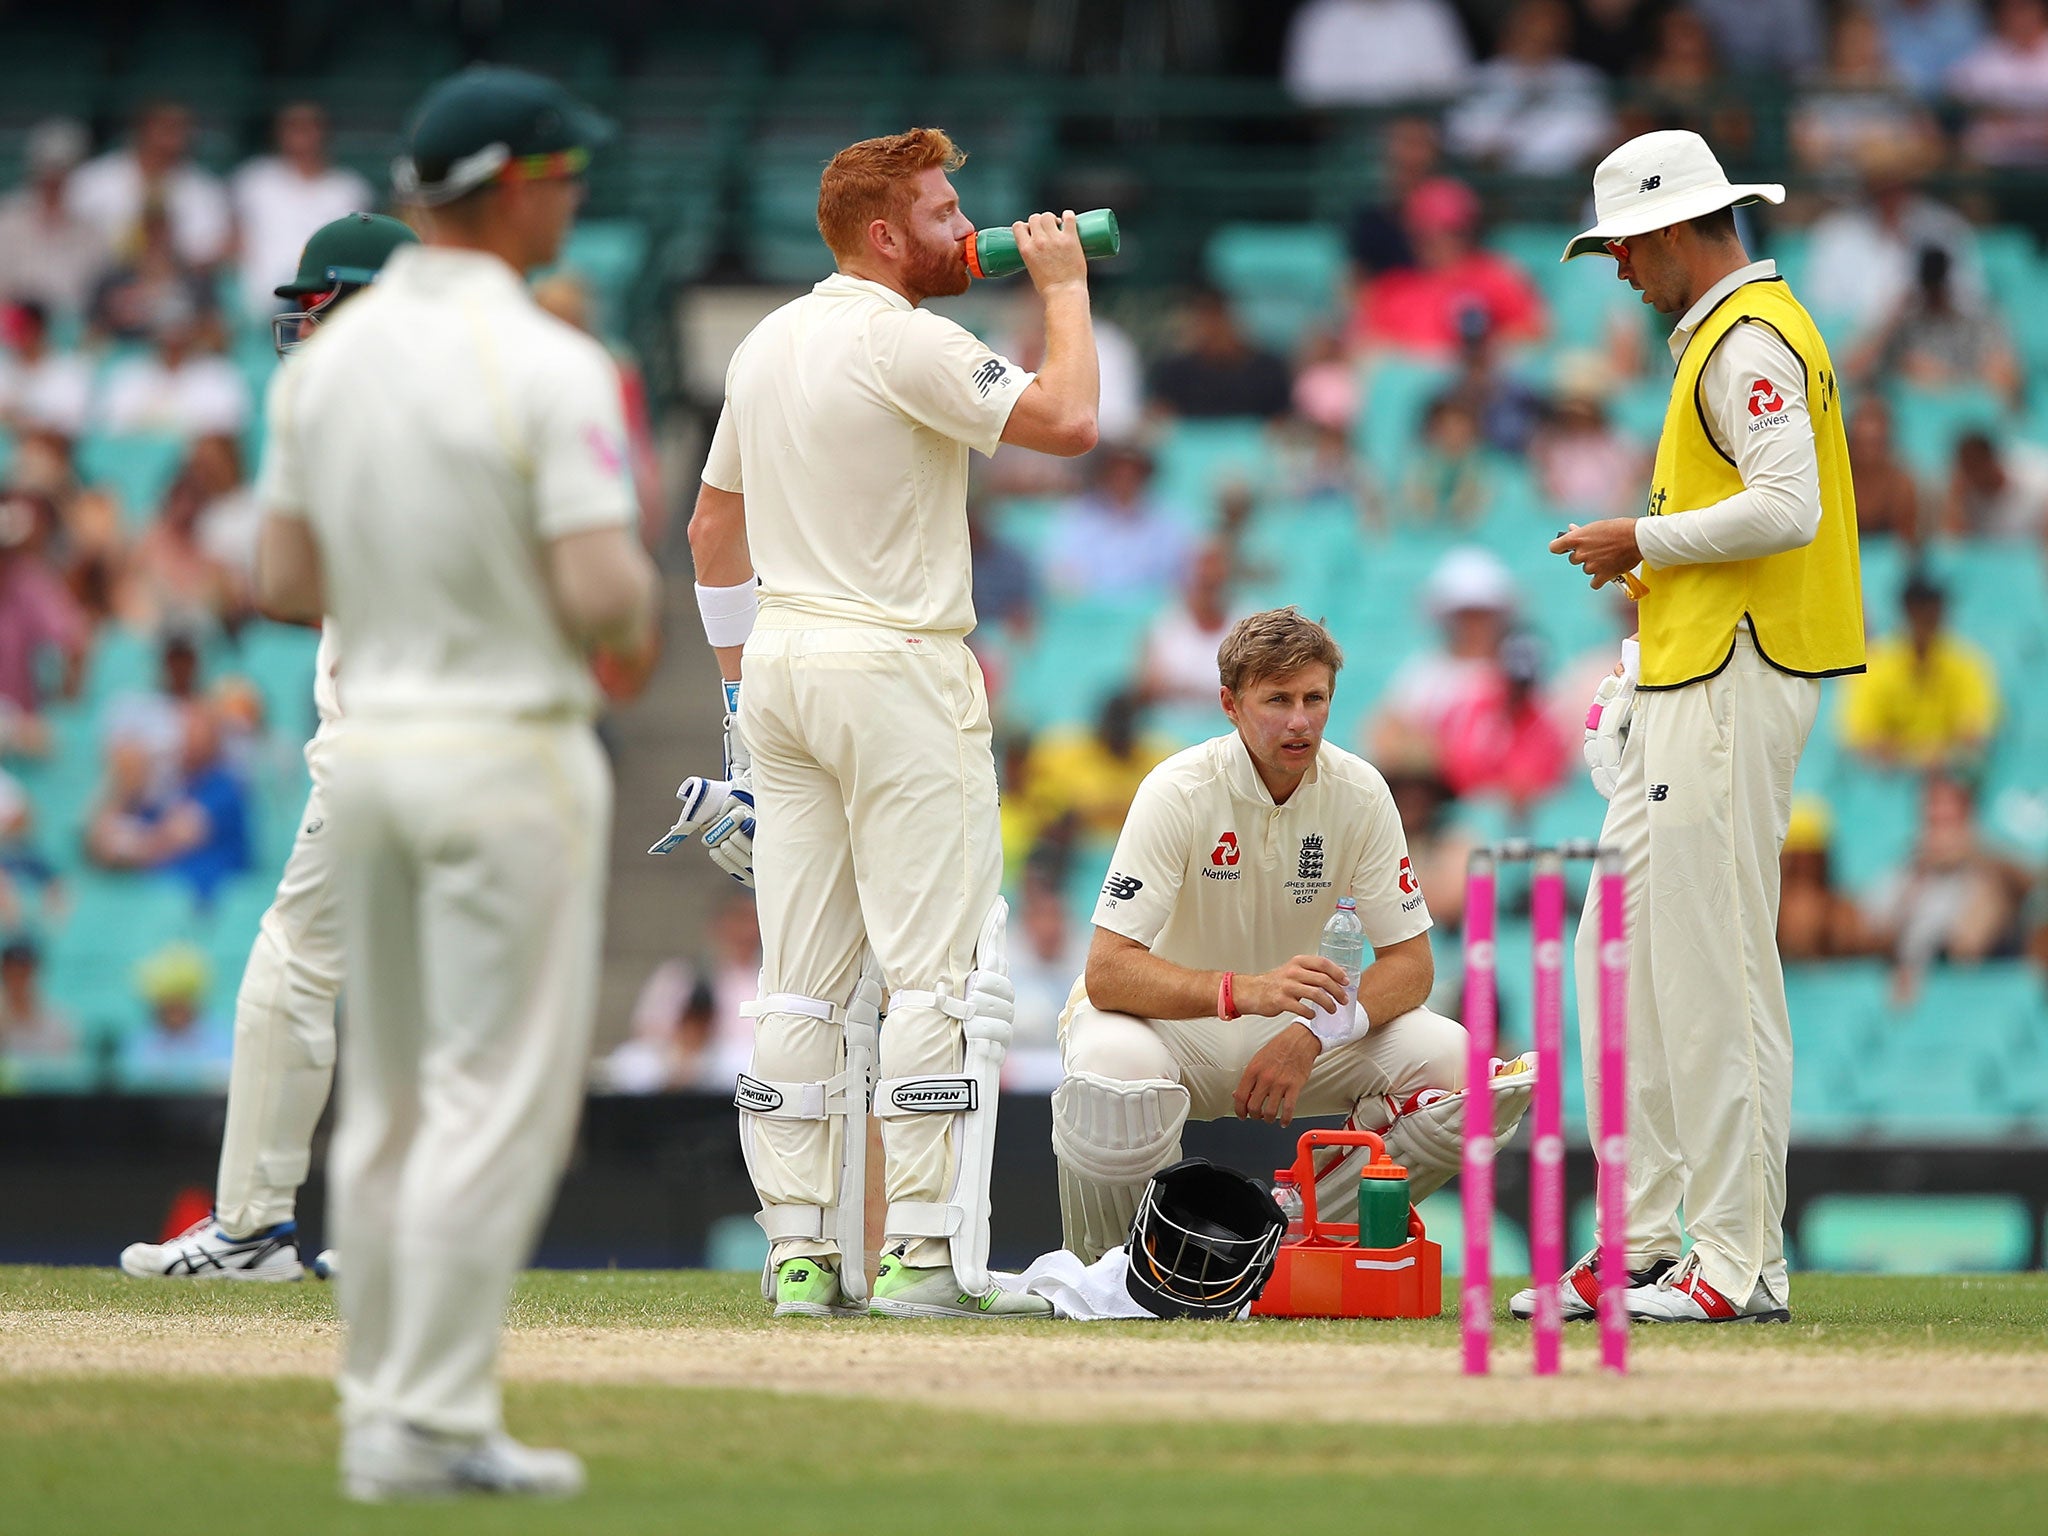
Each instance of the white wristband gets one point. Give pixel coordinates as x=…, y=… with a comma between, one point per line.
x=728, y=612
x=1632, y=659
x=1340, y=1028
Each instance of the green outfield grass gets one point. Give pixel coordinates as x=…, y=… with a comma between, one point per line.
x=168, y=1455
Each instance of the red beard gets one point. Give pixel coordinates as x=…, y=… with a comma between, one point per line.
x=937, y=271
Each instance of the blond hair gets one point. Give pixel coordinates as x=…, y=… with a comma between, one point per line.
x=1275, y=643
x=872, y=180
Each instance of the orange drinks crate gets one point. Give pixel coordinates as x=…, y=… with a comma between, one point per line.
x=1326, y=1273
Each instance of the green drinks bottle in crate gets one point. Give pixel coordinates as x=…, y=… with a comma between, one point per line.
x=993, y=252
x=1382, y=1205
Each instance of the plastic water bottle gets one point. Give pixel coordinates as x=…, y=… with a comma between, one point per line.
x=993, y=252
x=1344, y=942
x=1287, y=1195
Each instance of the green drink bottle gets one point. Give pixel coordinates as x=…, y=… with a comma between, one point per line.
x=993, y=252
x=1382, y=1205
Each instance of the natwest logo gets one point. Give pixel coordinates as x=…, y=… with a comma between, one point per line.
x=1226, y=850
x=1765, y=399
x=1409, y=884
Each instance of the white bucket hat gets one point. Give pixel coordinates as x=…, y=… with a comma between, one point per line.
x=1657, y=179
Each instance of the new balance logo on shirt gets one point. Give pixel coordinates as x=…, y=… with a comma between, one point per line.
x=1121, y=887
x=989, y=375
x=1660, y=791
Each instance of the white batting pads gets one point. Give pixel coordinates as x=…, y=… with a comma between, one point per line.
x=843, y=1097
x=1429, y=1140
x=986, y=1013
x=1110, y=1138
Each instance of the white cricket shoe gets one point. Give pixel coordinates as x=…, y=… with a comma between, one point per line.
x=327, y=1265
x=904, y=1291
x=204, y=1252
x=384, y=1460
x=1579, y=1290
x=1684, y=1296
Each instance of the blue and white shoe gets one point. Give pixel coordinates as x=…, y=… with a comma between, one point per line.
x=204, y=1252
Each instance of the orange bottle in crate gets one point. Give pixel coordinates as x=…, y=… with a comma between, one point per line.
x=1327, y=1274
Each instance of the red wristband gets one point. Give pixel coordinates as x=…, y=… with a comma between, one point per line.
x=1226, y=997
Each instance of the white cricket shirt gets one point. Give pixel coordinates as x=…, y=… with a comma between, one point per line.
x=1210, y=873
x=848, y=416
x=437, y=434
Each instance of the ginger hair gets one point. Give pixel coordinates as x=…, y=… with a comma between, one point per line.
x=1276, y=643
x=872, y=180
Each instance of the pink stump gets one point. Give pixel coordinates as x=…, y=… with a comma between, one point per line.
x=1546, y=1151
x=1613, y=1147
x=1476, y=1181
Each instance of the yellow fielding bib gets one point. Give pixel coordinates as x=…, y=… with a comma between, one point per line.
x=1805, y=606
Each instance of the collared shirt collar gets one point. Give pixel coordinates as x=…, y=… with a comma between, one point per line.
x=846, y=282
x=439, y=268
x=1243, y=775
x=1681, y=334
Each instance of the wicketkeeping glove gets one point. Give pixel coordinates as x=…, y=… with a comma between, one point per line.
x=1607, y=721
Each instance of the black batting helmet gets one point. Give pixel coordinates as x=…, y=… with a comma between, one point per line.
x=1203, y=1242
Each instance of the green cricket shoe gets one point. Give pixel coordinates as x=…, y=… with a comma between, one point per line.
x=810, y=1288
x=904, y=1291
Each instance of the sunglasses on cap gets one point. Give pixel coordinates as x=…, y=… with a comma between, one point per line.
x=557, y=165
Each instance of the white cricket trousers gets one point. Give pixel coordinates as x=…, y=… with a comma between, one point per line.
x=473, y=859
x=876, y=791
x=1699, y=813
x=284, y=1029
x=1416, y=1050
x=1412, y=1051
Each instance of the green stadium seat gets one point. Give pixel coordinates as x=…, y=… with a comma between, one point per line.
x=1282, y=278
x=378, y=67
x=136, y=467
x=49, y=68
x=76, y=1073
x=1443, y=1218
x=1197, y=460
x=1916, y=1234
x=1398, y=391
x=1927, y=423
x=580, y=57
x=1085, y=649
x=213, y=68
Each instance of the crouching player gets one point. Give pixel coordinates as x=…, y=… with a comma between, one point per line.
x=1204, y=995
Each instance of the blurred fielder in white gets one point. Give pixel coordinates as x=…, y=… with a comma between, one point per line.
x=838, y=476
x=284, y=1012
x=448, y=479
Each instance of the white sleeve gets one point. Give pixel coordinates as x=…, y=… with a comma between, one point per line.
x=722, y=465
x=1753, y=393
x=582, y=477
x=1150, y=861
x=1384, y=886
x=280, y=487
x=938, y=374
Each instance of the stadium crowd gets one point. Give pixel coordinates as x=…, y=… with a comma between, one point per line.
x=1444, y=400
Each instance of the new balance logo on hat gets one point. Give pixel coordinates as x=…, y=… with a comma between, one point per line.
x=1659, y=179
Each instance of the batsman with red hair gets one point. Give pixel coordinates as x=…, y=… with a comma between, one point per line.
x=859, y=798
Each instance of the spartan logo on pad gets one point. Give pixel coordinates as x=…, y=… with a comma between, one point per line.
x=1765, y=398
x=1227, y=851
